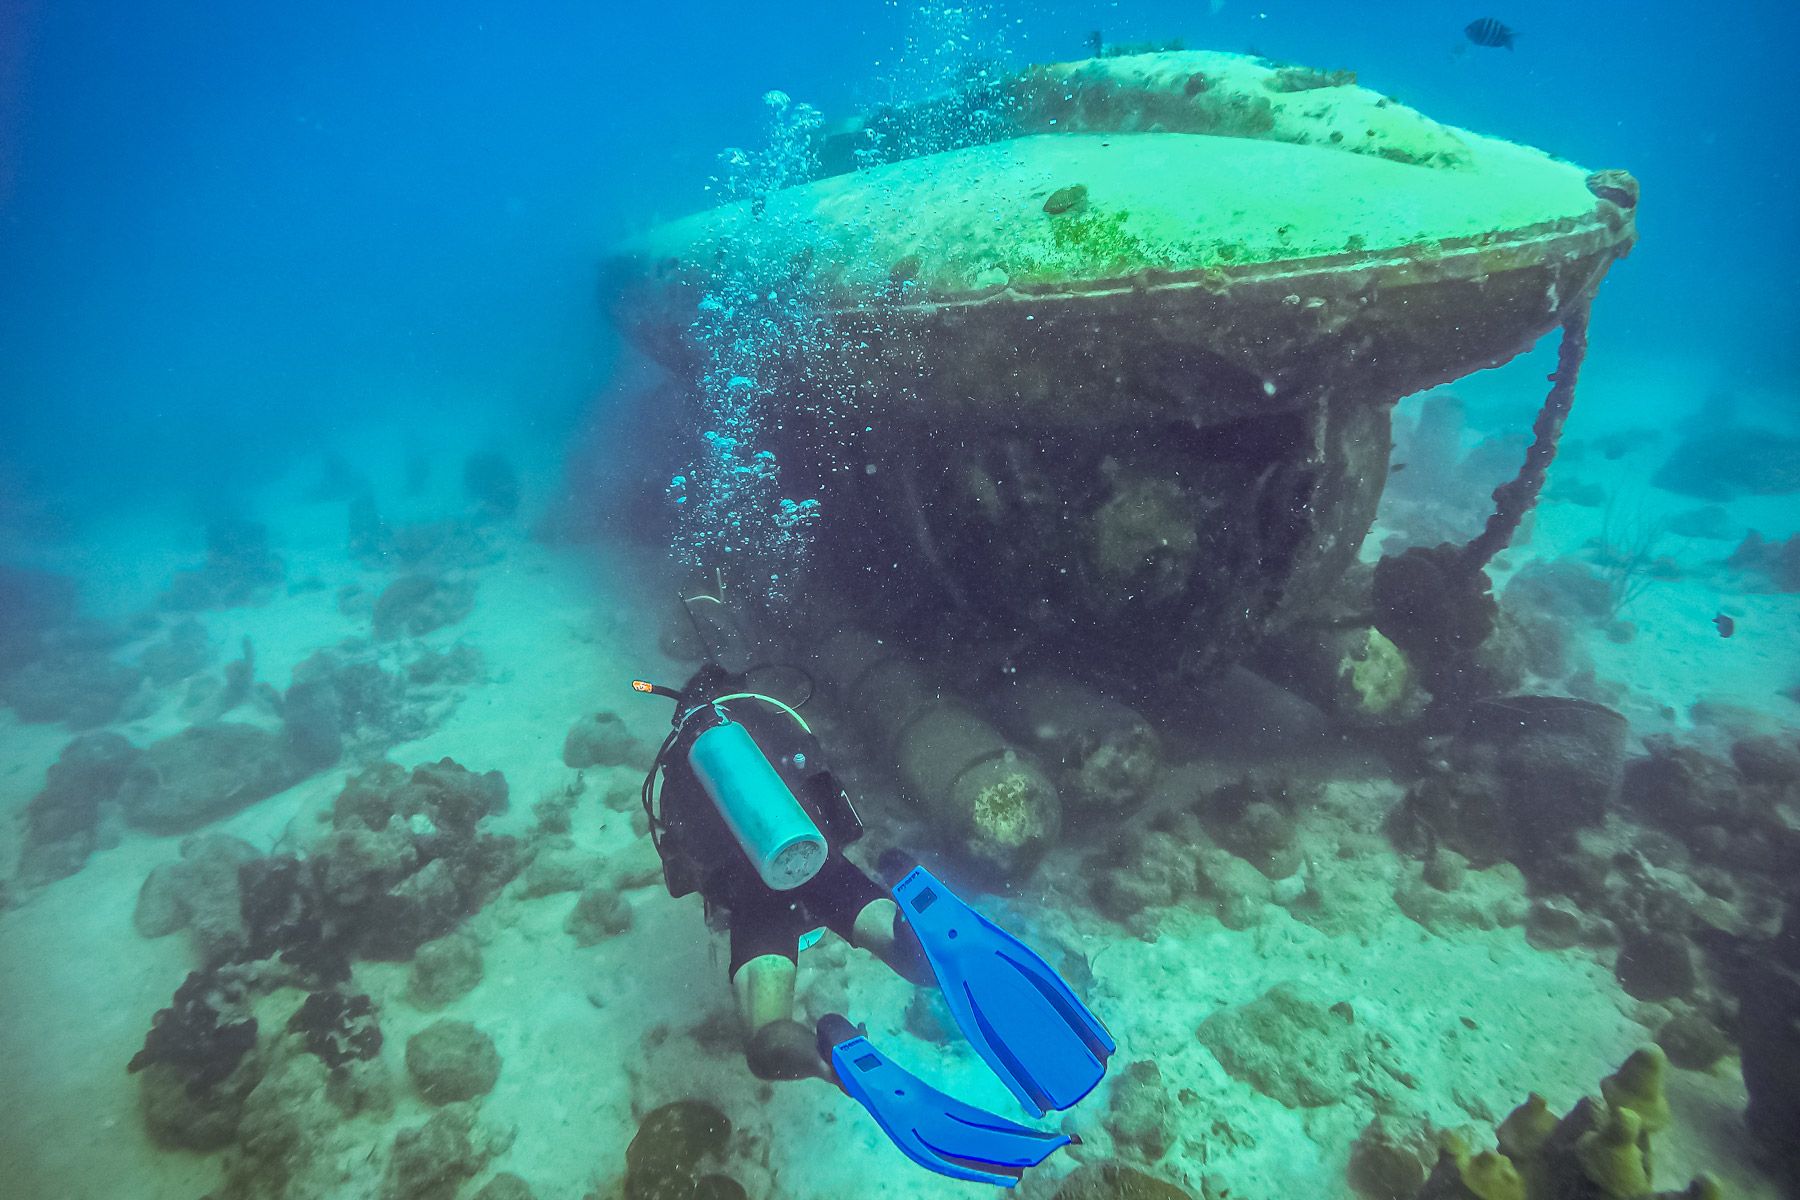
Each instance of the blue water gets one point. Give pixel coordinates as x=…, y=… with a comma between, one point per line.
x=230, y=228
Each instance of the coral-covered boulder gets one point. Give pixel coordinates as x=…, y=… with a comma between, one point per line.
x=1384, y=1164
x=1656, y=964
x=505, y=1186
x=199, y=893
x=1254, y=819
x=406, y=862
x=601, y=740
x=182, y=651
x=337, y=1027
x=32, y=603
x=451, y=1061
x=202, y=774
x=1724, y=461
x=431, y=1161
x=443, y=970
x=1115, y=1181
x=673, y=1150
x=195, y=1073
x=350, y=704
x=599, y=913
x=1143, y=1117
x=424, y=905
x=1771, y=566
x=1681, y=788
x=1768, y=759
x=62, y=821
x=82, y=688
x=414, y=605
x=1105, y=753
x=239, y=569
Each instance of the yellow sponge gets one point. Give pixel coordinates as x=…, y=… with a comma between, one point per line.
x=1460, y=1175
x=1524, y=1132
x=1611, y=1157
x=1491, y=1176
x=1638, y=1086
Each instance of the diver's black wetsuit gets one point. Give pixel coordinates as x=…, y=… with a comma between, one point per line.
x=700, y=854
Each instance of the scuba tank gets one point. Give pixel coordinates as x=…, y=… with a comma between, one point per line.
x=742, y=781
x=759, y=808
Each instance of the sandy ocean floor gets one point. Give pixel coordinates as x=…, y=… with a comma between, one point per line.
x=592, y=1038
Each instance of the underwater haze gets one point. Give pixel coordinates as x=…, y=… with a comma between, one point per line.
x=883, y=599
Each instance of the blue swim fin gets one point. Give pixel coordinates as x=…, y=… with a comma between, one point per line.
x=1015, y=1010
x=936, y=1131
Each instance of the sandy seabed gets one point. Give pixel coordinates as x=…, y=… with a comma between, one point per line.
x=592, y=1038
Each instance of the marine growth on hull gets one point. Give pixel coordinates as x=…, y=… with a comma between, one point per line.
x=1111, y=393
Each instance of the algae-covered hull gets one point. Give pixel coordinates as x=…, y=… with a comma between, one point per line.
x=1127, y=388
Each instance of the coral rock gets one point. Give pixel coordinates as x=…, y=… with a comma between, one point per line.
x=1142, y=1117
x=1692, y=1042
x=415, y=605
x=202, y=774
x=558, y=867
x=62, y=821
x=239, y=569
x=443, y=970
x=431, y=1162
x=198, y=893
x=1114, y=1181
x=670, y=1149
x=599, y=913
x=80, y=688
x=1656, y=965
x=451, y=1061
x=1383, y=1166
x=602, y=740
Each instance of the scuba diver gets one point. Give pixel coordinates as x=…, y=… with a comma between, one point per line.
x=744, y=810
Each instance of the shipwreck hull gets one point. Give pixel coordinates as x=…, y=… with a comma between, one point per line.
x=1128, y=394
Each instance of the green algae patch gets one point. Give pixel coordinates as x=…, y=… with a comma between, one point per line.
x=1087, y=243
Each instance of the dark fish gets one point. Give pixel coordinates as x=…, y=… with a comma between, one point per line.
x=1488, y=32
x=1726, y=625
x=1396, y=468
x=1096, y=44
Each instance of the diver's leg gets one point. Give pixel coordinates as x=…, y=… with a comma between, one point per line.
x=765, y=947
x=874, y=927
x=765, y=990
x=857, y=909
